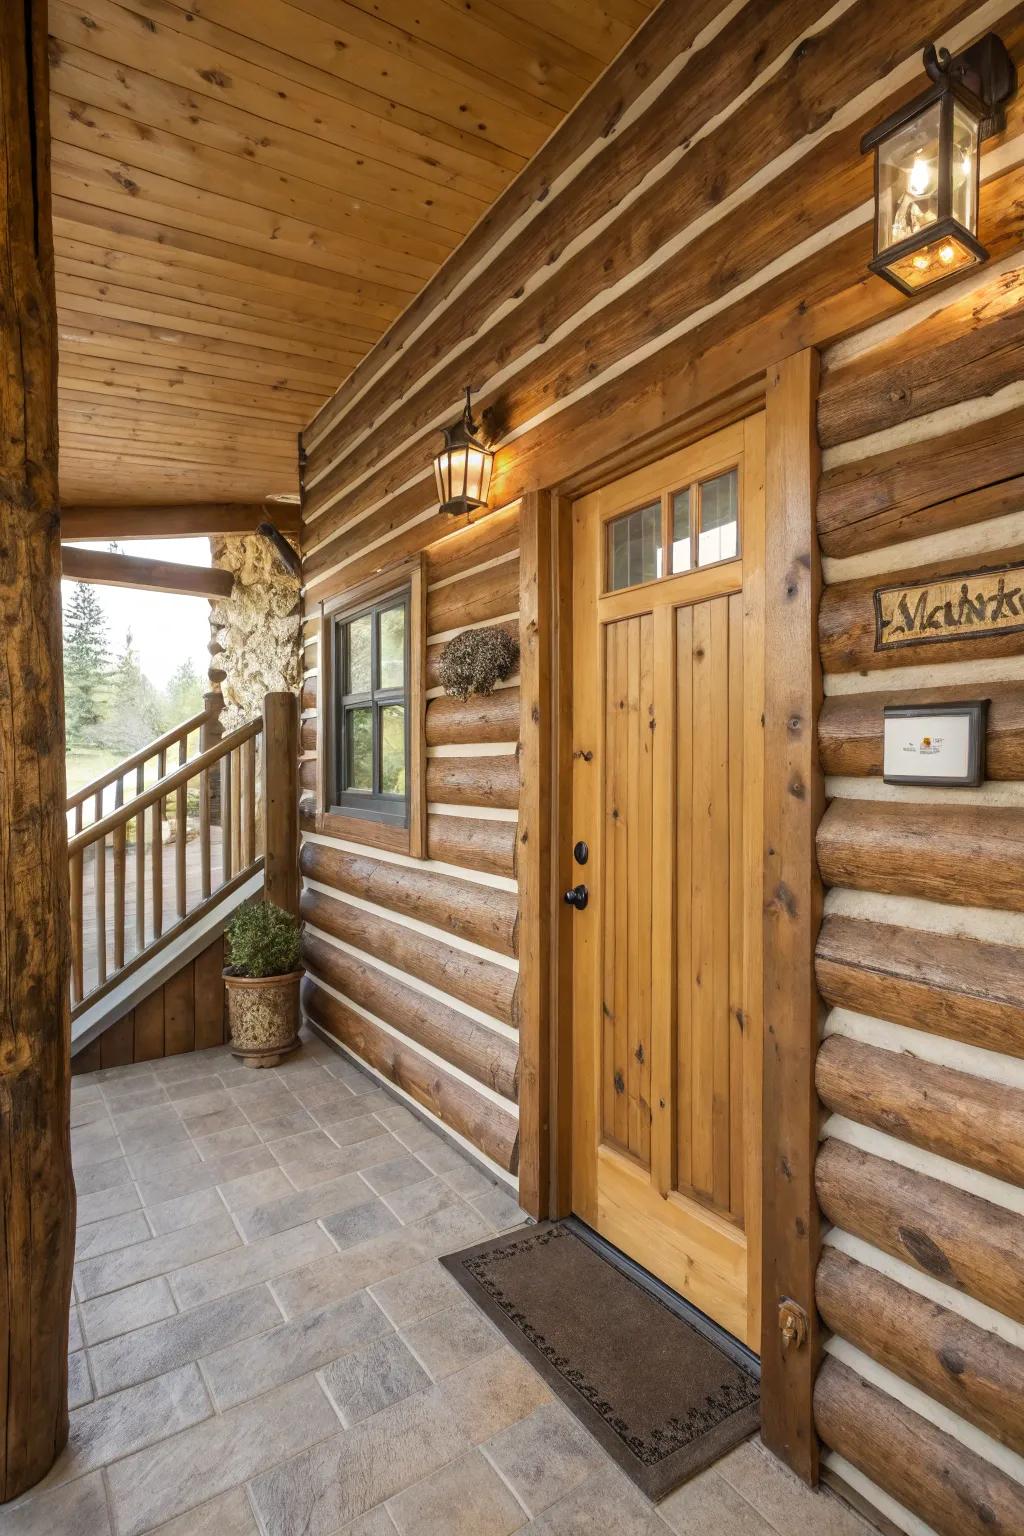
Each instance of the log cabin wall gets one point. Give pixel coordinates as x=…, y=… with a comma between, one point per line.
x=703, y=214
x=920, y=958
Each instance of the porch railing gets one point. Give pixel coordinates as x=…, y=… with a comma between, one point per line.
x=108, y=791
x=164, y=856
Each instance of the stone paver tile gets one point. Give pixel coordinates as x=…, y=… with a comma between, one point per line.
x=215, y=1122
x=87, y=1111
x=708, y=1503
x=453, y=1227
x=121, y=1311
x=782, y=1499
x=315, y=1493
x=421, y=1200
x=347, y=1132
x=113, y=1271
x=189, y=1084
x=495, y=1391
x=292, y=1349
x=465, y=1498
x=75, y=1340
x=256, y=1188
x=302, y=1206
x=439, y=1155
x=393, y=1115
x=229, y=1514
x=469, y=1181
x=96, y=1143
x=372, y=1378
x=399, y=1173
x=155, y=1189
x=78, y=1508
x=112, y=1232
x=316, y=1285
x=157, y=1129
x=185, y=1211
x=606, y=1502
x=106, y=1175
x=190, y=1468
x=361, y=1222
x=262, y=1260
x=290, y=1120
x=377, y=1523
x=85, y=1087
x=105, y=1203
x=313, y=1157
x=220, y=1143
x=500, y=1209
x=174, y=1341
x=114, y=1426
x=79, y=1383
x=203, y=1102
x=545, y=1456
x=416, y=1293
x=158, y=1164
x=450, y=1339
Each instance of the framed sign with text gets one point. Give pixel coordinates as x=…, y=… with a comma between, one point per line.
x=958, y=607
x=942, y=745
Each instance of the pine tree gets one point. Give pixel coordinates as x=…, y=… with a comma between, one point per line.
x=86, y=665
x=184, y=694
x=135, y=712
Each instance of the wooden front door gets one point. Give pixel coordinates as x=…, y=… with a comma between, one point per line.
x=667, y=796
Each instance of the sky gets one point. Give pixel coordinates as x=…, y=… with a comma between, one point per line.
x=166, y=629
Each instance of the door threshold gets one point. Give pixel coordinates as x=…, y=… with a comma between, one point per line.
x=704, y=1325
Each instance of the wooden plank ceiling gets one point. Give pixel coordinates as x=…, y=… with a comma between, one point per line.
x=248, y=192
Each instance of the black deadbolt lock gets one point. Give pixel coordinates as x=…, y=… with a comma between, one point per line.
x=581, y=853
x=577, y=897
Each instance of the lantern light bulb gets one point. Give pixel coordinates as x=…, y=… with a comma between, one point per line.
x=947, y=254
x=920, y=177
x=922, y=263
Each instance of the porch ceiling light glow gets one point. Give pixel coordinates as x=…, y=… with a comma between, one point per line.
x=463, y=467
x=926, y=166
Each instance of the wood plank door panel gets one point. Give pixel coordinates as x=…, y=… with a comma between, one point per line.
x=667, y=790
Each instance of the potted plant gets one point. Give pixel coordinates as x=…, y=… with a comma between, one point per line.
x=262, y=978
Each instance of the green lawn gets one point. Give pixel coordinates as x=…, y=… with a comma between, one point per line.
x=87, y=763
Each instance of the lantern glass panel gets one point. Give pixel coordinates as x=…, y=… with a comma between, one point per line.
x=939, y=259
x=964, y=168
x=908, y=179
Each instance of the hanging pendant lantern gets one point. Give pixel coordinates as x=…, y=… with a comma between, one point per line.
x=463, y=467
x=927, y=164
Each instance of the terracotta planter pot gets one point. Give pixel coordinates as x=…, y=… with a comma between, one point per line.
x=263, y=1013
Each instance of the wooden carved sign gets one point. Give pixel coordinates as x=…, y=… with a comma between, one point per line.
x=959, y=607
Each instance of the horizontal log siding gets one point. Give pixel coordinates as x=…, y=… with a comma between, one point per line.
x=924, y=1157
x=663, y=252
x=416, y=964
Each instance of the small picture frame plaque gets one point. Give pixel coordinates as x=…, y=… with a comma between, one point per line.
x=942, y=745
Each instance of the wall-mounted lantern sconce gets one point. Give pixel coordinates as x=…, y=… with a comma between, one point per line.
x=463, y=467
x=927, y=162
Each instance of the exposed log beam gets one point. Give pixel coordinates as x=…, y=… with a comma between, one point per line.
x=197, y=520
x=105, y=569
x=37, y=1198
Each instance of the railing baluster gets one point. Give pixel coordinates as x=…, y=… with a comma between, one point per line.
x=77, y=978
x=140, y=882
x=180, y=845
x=248, y=817
x=227, y=869
x=99, y=856
x=120, y=843
x=236, y=810
x=204, y=831
x=157, y=858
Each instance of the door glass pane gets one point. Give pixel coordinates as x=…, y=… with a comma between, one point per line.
x=392, y=648
x=392, y=749
x=359, y=749
x=357, y=654
x=681, y=557
x=719, y=526
x=634, y=547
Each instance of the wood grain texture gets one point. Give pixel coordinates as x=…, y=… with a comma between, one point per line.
x=471, y=978
x=489, y=846
x=489, y=594
x=794, y=800
x=958, y=1238
x=964, y=855
x=484, y=1123
x=956, y=1491
x=476, y=1049
x=971, y=1120
x=479, y=781
x=280, y=800
x=460, y=907
x=175, y=521
x=102, y=568
x=965, y=989
x=851, y=727
x=975, y=1373
x=480, y=718
x=37, y=1196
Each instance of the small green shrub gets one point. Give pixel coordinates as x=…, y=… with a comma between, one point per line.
x=262, y=940
x=477, y=659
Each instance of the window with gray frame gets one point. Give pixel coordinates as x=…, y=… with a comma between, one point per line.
x=370, y=710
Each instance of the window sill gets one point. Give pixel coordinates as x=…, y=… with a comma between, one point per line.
x=360, y=829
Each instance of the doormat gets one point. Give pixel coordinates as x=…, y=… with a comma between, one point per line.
x=661, y=1398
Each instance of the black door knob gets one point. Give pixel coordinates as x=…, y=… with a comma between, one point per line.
x=577, y=897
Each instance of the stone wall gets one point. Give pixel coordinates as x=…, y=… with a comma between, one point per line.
x=258, y=628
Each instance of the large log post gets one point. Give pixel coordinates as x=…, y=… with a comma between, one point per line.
x=37, y=1198
x=281, y=799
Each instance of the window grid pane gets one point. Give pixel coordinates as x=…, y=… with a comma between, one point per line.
x=392, y=648
x=358, y=646
x=682, y=558
x=634, y=548
x=719, y=519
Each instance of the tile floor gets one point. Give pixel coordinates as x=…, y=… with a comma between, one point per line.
x=262, y=1340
